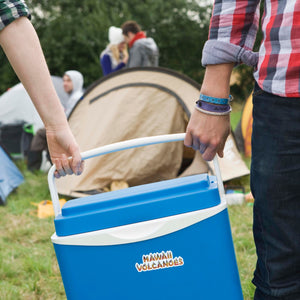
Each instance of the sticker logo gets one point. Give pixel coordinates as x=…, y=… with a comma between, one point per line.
x=159, y=260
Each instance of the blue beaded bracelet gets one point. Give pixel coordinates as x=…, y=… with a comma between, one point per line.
x=223, y=101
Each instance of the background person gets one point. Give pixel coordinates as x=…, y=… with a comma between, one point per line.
x=73, y=86
x=115, y=56
x=143, y=51
x=30, y=66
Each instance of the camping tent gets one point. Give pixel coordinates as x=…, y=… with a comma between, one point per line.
x=243, y=131
x=246, y=125
x=135, y=103
x=10, y=176
x=18, y=112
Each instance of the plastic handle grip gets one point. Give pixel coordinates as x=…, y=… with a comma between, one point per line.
x=134, y=143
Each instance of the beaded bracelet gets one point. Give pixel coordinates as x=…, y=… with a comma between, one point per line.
x=211, y=109
x=213, y=100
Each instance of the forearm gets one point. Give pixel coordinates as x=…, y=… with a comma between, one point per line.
x=216, y=81
x=22, y=48
x=119, y=66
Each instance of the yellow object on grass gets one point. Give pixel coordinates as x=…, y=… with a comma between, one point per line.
x=118, y=185
x=45, y=208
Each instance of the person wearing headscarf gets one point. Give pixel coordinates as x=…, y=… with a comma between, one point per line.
x=115, y=56
x=73, y=86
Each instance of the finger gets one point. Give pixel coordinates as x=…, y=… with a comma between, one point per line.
x=78, y=168
x=56, y=174
x=188, y=140
x=59, y=167
x=66, y=165
x=81, y=168
x=77, y=163
x=202, y=148
x=221, y=150
x=196, y=143
x=209, y=153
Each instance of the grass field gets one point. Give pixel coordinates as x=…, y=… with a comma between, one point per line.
x=28, y=266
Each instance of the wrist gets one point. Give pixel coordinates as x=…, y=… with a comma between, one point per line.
x=213, y=105
x=56, y=127
x=216, y=82
x=213, y=109
x=56, y=121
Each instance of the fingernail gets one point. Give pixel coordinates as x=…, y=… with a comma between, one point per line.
x=79, y=171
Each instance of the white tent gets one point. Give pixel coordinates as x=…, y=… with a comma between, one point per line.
x=16, y=106
x=17, y=112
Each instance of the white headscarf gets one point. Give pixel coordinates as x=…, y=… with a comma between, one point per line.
x=77, y=92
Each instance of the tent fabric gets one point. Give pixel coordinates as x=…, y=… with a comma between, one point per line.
x=246, y=125
x=11, y=137
x=243, y=131
x=231, y=166
x=17, y=114
x=10, y=176
x=129, y=104
x=16, y=106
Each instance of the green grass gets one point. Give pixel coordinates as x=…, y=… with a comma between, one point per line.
x=241, y=227
x=28, y=266
x=236, y=114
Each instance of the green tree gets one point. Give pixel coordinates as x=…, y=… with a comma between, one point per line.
x=74, y=32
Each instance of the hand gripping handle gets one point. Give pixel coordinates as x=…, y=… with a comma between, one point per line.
x=134, y=143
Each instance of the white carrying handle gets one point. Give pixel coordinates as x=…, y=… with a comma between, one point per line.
x=134, y=143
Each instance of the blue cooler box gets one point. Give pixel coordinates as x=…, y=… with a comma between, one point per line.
x=166, y=240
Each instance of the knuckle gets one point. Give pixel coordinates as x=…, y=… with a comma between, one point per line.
x=215, y=143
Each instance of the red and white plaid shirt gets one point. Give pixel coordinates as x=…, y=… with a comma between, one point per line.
x=233, y=29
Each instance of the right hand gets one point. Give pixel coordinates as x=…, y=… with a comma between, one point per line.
x=207, y=134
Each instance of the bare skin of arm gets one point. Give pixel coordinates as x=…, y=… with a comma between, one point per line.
x=22, y=48
x=208, y=130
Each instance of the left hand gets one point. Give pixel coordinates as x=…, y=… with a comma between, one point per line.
x=64, y=151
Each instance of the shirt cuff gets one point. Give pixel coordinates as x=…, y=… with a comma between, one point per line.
x=11, y=11
x=219, y=52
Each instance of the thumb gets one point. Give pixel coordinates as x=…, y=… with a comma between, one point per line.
x=221, y=150
x=77, y=163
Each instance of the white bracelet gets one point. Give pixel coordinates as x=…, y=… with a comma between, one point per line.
x=213, y=113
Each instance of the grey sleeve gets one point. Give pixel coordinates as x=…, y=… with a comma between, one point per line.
x=136, y=57
x=218, y=52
